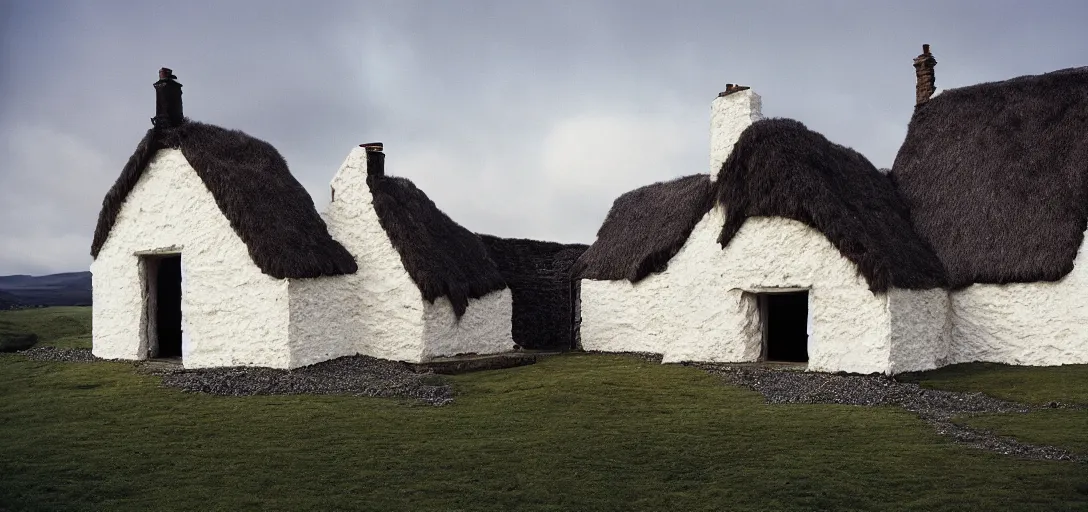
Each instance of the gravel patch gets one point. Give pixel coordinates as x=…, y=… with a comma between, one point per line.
x=67, y=355
x=356, y=375
x=936, y=407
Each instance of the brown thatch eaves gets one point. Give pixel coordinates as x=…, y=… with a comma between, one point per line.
x=780, y=168
x=996, y=177
x=645, y=228
x=268, y=208
x=443, y=258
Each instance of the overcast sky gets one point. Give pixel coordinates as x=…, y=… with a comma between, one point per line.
x=518, y=118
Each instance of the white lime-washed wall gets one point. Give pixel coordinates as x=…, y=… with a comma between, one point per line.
x=380, y=307
x=485, y=328
x=729, y=116
x=234, y=314
x=921, y=329
x=1043, y=323
x=703, y=306
x=320, y=327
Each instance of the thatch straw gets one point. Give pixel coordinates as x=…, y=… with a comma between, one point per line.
x=538, y=274
x=442, y=257
x=996, y=176
x=780, y=168
x=267, y=207
x=645, y=228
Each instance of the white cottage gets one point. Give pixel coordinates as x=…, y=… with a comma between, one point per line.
x=426, y=286
x=997, y=178
x=206, y=248
x=800, y=250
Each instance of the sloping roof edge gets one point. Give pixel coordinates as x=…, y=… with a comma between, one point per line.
x=269, y=210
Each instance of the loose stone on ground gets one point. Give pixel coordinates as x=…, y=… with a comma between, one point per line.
x=355, y=375
x=67, y=355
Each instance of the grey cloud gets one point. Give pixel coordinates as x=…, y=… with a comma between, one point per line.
x=517, y=118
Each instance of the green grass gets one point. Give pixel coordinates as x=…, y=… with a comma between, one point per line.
x=1057, y=427
x=1036, y=385
x=569, y=433
x=65, y=327
x=577, y=432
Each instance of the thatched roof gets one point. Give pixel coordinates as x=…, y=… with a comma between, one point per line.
x=267, y=207
x=538, y=274
x=996, y=177
x=645, y=228
x=780, y=168
x=442, y=257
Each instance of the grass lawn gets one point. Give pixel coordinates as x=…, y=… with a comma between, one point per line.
x=1036, y=385
x=576, y=432
x=1067, y=384
x=65, y=327
x=1059, y=427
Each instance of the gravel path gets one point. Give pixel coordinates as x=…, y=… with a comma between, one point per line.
x=356, y=375
x=936, y=407
x=68, y=355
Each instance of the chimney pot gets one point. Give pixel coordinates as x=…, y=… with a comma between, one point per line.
x=732, y=88
x=925, y=80
x=375, y=158
x=168, y=108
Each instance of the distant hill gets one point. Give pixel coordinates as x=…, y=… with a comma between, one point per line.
x=67, y=289
x=9, y=301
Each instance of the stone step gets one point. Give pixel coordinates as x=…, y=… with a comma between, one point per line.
x=475, y=362
x=160, y=365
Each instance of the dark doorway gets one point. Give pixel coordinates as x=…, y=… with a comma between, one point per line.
x=164, y=306
x=785, y=326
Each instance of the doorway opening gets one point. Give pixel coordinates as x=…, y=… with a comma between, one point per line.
x=164, y=329
x=785, y=326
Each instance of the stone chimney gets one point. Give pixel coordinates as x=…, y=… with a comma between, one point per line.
x=168, y=112
x=730, y=113
x=923, y=70
x=375, y=158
